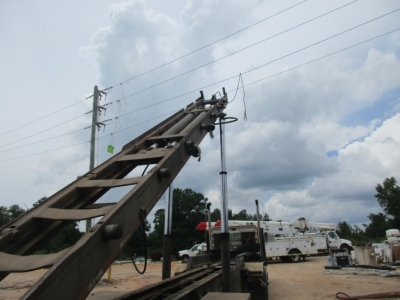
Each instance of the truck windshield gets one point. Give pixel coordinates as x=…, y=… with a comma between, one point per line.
x=332, y=235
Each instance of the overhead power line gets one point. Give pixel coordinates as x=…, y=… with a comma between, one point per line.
x=314, y=60
x=149, y=120
x=210, y=44
x=51, y=138
x=240, y=50
x=44, y=152
x=27, y=137
x=215, y=83
x=263, y=65
x=159, y=67
x=37, y=120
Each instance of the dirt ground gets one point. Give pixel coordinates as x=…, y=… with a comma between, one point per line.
x=304, y=280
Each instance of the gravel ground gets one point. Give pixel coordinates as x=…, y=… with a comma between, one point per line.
x=303, y=280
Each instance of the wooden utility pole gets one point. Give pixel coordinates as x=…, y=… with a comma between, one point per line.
x=93, y=139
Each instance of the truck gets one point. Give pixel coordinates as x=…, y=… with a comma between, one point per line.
x=290, y=241
x=197, y=249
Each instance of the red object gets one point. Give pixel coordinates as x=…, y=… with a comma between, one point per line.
x=202, y=226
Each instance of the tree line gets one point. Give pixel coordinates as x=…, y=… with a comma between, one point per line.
x=189, y=209
x=388, y=197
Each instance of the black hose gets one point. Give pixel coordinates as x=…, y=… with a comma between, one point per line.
x=145, y=250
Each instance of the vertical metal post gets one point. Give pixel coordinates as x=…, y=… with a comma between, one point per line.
x=209, y=227
x=166, y=264
x=258, y=221
x=224, y=236
x=260, y=233
x=93, y=139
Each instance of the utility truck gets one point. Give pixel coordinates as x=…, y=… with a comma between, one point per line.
x=288, y=241
x=195, y=250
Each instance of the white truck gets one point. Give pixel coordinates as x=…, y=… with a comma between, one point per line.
x=195, y=250
x=294, y=240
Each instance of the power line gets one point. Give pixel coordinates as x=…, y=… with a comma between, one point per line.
x=263, y=65
x=159, y=67
x=88, y=141
x=210, y=44
x=254, y=82
x=274, y=61
x=54, y=137
x=235, y=52
x=137, y=124
x=314, y=60
x=53, y=113
x=44, y=152
x=42, y=131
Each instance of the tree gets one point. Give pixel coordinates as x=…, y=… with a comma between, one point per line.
x=188, y=211
x=243, y=215
x=67, y=237
x=378, y=226
x=7, y=214
x=388, y=196
x=346, y=231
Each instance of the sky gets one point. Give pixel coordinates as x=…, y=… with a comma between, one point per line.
x=318, y=103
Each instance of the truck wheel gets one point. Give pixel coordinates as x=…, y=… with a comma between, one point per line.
x=346, y=248
x=284, y=258
x=185, y=259
x=294, y=258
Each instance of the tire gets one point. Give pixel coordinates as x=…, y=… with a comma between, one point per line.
x=294, y=258
x=284, y=258
x=346, y=248
x=185, y=259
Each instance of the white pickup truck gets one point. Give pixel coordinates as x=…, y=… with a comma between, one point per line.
x=195, y=250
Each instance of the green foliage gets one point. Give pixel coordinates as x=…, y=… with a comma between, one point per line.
x=242, y=215
x=188, y=211
x=353, y=233
x=345, y=230
x=388, y=196
x=376, y=230
x=7, y=214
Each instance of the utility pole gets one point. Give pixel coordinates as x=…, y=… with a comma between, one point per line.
x=93, y=139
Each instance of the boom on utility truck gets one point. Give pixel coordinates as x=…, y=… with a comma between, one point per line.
x=288, y=241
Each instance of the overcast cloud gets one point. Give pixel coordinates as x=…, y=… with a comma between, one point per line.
x=321, y=129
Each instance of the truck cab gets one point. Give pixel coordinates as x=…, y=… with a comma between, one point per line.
x=195, y=250
x=335, y=242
